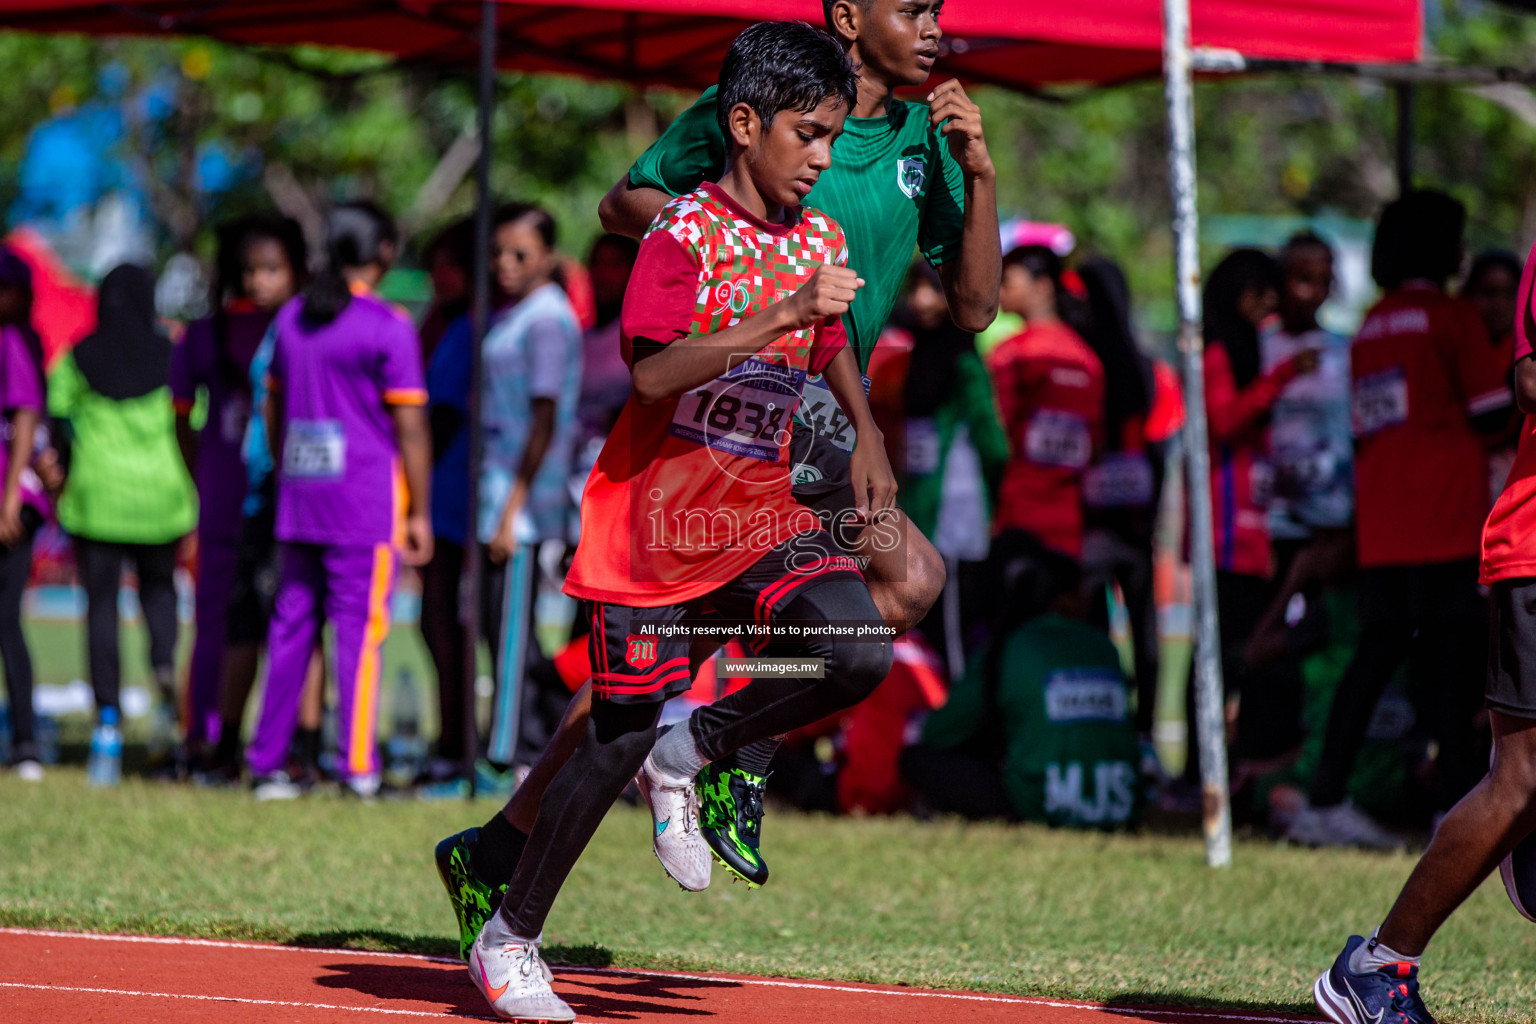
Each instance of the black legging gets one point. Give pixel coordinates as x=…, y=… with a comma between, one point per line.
x=15, y=568
x=444, y=637
x=620, y=735
x=1269, y=717
x=1110, y=557
x=101, y=570
x=1445, y=659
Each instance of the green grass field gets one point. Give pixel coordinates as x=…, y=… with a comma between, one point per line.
x=1023, y=910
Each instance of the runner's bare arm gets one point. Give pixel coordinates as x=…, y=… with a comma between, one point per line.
x=971, y=279
x=627, y=210
x=661, y=371
x=415, y=440
x=874, y=484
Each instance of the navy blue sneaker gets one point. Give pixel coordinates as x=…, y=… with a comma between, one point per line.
x=1388, y=995
x=1518, y=872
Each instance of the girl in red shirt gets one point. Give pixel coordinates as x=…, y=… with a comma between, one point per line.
x=1050, y=398
x=1241, y=293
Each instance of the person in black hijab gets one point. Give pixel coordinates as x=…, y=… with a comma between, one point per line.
x=127, y=496
x=128, y=356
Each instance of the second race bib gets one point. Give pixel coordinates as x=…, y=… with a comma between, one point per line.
x=820, y=412
x=1380, y=401
x=315, y=450
x=1055, y=437
x=742, y=411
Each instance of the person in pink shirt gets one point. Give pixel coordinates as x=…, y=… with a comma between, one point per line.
x=23, y=506
x=347, y=415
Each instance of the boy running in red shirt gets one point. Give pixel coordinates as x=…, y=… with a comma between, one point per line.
x=735, y=299
x=1377, y=979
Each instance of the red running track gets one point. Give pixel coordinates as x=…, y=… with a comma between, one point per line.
x=48, y=977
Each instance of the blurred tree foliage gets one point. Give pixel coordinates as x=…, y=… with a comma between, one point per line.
x=346, y=125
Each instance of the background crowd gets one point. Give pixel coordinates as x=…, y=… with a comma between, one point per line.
x=1350, y=480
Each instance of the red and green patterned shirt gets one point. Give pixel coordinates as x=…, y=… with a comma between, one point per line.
x=690, y=492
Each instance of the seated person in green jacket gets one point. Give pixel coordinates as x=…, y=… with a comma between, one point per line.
x=1038, y=728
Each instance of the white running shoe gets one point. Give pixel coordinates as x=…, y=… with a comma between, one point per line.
x=514, y=980
x=277, y=786
x=1343, y=824
x=30, y=770
x=675, y=812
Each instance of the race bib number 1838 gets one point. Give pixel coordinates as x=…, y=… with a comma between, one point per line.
x=743, y=411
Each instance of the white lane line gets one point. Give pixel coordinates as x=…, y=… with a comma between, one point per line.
x=162, y=940
x=633, y=972
x=238, y=999
x=967, y=996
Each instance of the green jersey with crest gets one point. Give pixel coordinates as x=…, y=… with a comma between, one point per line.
x=893, y=186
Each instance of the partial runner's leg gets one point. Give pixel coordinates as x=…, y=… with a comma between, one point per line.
x=1478, y=832
x=618, y=738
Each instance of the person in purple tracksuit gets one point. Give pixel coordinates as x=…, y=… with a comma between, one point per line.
x=347, y=414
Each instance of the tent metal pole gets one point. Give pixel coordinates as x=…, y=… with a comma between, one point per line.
x=1209, y=727
x=469, y=607
x=1405, y=98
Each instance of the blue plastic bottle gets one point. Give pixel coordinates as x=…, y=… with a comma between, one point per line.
x=105, y=765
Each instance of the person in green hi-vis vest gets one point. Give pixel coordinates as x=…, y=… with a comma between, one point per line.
x=127, y=493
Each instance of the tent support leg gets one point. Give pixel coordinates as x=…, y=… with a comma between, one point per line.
x=469, y=610
x=1209, y=724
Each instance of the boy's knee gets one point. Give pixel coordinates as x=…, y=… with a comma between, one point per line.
x=906, y=596
x=856, y=668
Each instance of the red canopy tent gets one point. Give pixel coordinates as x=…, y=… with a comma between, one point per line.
x=1022, y=44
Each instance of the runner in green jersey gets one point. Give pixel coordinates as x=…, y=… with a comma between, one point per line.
x=903, y=176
